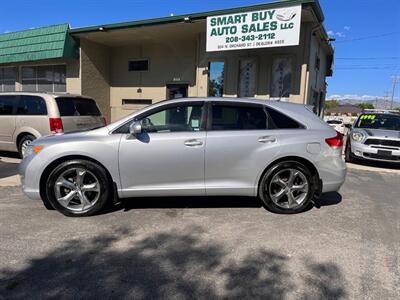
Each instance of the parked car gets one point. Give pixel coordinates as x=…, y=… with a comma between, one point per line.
x=279, y=152
x=338, y=125
x=25, y=117
x=374, y=136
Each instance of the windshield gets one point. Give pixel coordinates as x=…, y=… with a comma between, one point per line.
x=378, y=121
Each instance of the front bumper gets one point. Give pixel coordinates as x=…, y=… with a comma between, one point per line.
x=30, y=179
x=369, y=152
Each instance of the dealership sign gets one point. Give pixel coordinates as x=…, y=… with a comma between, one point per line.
x=257, y=29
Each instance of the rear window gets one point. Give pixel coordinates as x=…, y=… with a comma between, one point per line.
x=281, y=121
x=69, y=107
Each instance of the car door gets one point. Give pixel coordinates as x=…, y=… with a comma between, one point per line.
x=238, y=148
x=7, y=121
x=167, y=158
x=32, y=115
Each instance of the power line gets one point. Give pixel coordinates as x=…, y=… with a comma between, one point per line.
x=366, y=58
x=368, y=65
x=367, y=37
x=367, y=68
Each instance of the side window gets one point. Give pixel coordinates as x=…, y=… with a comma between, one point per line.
x=232, y=117
x=174, y=119
x=31, y=105
x=278, y=120
x=7, y=104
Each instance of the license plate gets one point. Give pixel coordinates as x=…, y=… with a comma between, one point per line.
x=385, y=153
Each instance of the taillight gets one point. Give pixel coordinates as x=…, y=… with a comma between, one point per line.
x=56, y=125
x=336, y=141
x=104, y=121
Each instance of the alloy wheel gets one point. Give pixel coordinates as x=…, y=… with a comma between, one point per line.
x=24, y=146
x=288, y=188
x=77, y=189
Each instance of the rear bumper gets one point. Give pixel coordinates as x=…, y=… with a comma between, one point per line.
x=332, y=171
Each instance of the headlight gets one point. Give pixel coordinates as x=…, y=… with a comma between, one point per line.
x=357, y=136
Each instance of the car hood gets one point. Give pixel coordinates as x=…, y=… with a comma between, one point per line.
x=71, y=136
x=380, y=133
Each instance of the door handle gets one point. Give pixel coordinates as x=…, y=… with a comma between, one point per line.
x=267, y=139
x=193, y=143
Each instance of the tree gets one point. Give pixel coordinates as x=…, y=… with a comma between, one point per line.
x=331, y=104
x=366, y=106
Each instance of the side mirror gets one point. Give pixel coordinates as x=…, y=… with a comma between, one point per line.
x=135, y=128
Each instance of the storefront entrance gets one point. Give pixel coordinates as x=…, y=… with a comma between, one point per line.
x=175, y=91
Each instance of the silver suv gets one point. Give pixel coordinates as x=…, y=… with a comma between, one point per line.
x=374, y=136
x=279, y=152
x=26, y=116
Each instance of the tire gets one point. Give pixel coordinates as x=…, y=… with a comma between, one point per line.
x=26, y=140
x=78, y=188
x=348, y=155
x=47, y=204
x=297, y=191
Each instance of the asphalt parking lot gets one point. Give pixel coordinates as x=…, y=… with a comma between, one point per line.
x=348, y=247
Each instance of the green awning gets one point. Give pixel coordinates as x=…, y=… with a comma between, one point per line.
x=37, y=44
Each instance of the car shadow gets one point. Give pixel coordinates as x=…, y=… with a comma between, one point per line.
x=181, y=263
x=378, y=164
x=189, y=202
x=326, y=199
x=9, y=154
x=8, y=168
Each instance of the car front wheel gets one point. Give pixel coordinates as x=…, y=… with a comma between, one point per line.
x=287, y=188
x=348, y=155
x=78, y=188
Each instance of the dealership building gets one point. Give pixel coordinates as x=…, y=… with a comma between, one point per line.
x=273, y=51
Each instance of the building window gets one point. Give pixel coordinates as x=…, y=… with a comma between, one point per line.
x=247, y=77
x=8, y=77
x=136, y=101
x=216, y=78
x=281, y=82
x=138, y=65
x=50, y=78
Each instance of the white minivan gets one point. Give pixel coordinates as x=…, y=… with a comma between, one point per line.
x=27, y=116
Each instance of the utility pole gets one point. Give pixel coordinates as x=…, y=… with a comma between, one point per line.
x=385, y=99
x=395, y=80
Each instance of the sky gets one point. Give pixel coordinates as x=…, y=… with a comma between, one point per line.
x=367, y=32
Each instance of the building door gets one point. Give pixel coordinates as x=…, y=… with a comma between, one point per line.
x=247, y=77
x=176, y=91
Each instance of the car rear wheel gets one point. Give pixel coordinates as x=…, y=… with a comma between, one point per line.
x=23, y=144
x=78, y=188
x=287, y=188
